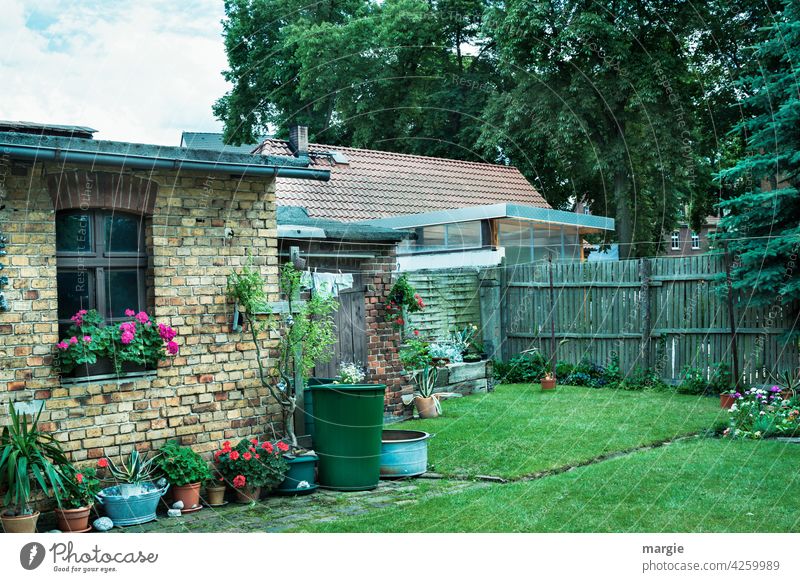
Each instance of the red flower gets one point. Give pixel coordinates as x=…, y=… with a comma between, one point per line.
x=399, y=321
x=283, y=447
x=257, y=456
x=267, y=447
x=102, y=463
x=416, y=332
x=79, y=477
x=252, y=449
x=239, y=481
x=254, y=441
x=247, y=456
x=226, y=446
x=234, y=455
x=218, y=454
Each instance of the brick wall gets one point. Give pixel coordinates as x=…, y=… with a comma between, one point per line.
x=209, y=392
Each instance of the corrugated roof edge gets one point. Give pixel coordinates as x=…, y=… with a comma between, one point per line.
x=150, y=156
x=297, y=216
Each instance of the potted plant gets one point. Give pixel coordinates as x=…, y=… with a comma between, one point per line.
x=134, y=498
x=426, y=402
x=402, y=299
x=185, y=470
x=548, y=381
x=92, y=347
x=215, y=490
x=250, y=466
x=728, y=398
x=26, y=451
x=81, y=485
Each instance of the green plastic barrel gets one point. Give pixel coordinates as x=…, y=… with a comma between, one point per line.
x=348, y=423
x=308, y=404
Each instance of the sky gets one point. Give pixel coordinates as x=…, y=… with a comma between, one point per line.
x=135, y=70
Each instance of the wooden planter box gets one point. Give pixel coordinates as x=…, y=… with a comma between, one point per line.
x=465, y=378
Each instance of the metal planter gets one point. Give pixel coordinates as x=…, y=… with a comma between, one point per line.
x=131, y=509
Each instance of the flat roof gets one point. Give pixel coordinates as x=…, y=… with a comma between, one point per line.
x=584, y=222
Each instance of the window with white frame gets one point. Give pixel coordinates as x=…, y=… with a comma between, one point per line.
x=676, y=240
x=695, y=241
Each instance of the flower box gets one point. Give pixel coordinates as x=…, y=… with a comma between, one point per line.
x=104, y=366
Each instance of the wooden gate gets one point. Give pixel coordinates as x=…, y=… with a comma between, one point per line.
x=351, y=333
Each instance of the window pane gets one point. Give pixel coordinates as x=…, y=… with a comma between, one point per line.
x=74, y=232
x=74, y=292
x=122, y=233
x=464, y=234
x=122, y=291
x=432, y=237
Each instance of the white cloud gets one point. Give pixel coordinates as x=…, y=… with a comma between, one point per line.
x=138, y=71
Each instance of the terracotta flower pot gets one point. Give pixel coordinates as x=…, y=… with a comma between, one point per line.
x=73, y=520
x=215, y=495
x=248, y=494
x=20, y=523
x=426, y=407
x=548, y=383
x=726, y=400
x=189, y=494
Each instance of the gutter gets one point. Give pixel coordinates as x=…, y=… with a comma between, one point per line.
x=53, y=154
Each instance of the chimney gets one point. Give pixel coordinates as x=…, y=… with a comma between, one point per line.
x=298, y=140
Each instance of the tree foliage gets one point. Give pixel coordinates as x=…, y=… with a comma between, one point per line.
x=762, y=227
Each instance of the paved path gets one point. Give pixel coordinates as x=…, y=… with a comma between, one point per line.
x=281, y=513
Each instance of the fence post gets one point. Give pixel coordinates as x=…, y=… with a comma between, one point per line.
x=553, y=355
x=490, y=313
x=731, y=315
x=644, y=310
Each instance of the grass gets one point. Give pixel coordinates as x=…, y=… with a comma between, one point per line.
x=695, y=485
x=519, y=430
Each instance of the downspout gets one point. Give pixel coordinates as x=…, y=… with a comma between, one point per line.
x=150, y=163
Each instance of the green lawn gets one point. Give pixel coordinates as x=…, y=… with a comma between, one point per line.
x=696, y=485
x=519, y=430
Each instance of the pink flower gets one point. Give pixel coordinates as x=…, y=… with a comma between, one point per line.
x=127, y=337
x=77, y=319
x=282, y=446
x=79, y=477
x=239, y=481
x=172, y=348
x=129, y=326
x=73, y=340
x=130, y=312
x=254, y=441
x=142, y=317
x=102, y=463
x=234, y=456
x=267, y=447
x=62, y=345
x=87, y=338
x=247, y=456
x=166, y=332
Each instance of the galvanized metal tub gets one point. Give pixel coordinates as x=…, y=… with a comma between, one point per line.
x=132, y=509
x=404, y=453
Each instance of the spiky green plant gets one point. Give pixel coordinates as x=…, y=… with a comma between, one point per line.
x=137, y=469
x=24, y=451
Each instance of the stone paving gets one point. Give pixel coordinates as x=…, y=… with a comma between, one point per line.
x=285, y=513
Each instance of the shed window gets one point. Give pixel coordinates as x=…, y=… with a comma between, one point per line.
x=676, y=240
x=101, y=263
x=695, y=241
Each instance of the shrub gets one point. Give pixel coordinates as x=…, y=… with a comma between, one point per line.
x=643, y=379
x=563, y=371
x=721, y=379
x=527, y=367
x=415, y=355
x=181, y=465
x=693, y=381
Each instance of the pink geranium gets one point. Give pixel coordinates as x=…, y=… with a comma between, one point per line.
x=73, y=340
x=87, y=338
x=130, y=312
x=126, y=338
x=239, y=481
x=172, y=348
x=166, y=332
x=62, y=345
x=142, y=317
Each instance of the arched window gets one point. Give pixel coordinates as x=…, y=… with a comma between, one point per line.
x=101, y=262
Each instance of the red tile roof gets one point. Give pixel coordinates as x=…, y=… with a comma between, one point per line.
x=376, y=184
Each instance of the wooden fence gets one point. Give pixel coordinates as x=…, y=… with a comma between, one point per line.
x=661, y=314
x=452, y=301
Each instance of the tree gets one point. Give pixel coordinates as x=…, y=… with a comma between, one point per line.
x=598, y=103
x=762, y=225
x=401, y=75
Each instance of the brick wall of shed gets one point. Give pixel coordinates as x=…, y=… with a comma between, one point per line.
x=209, y=392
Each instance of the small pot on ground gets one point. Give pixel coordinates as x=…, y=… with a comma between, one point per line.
x=427, y=407
x=215, y=495
x=247, y=494
x=188, y=494
x=20, y=523
x=726, y=401
x=549, y=383
x=301, y=476
x=73, y=520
